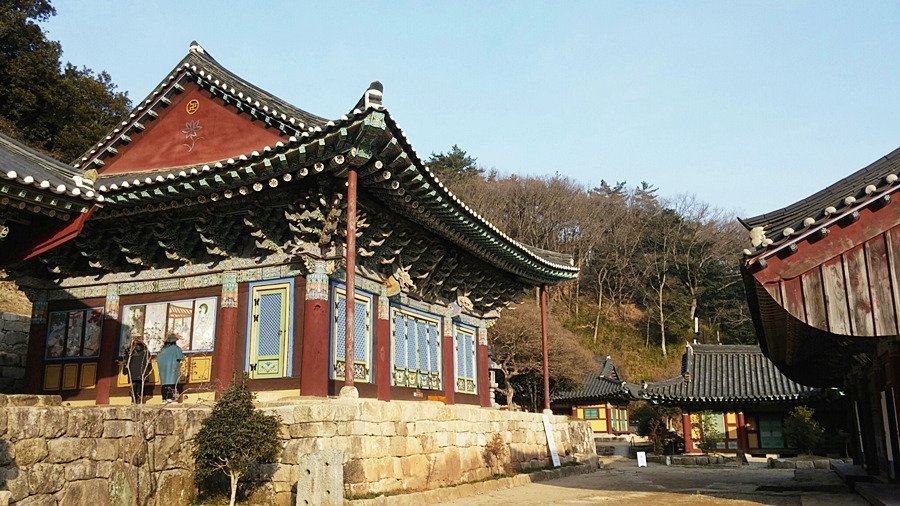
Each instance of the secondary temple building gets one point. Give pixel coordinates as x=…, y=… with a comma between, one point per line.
x=251, y=229
x=823, y=284
x=747, y=396
x=602, y=400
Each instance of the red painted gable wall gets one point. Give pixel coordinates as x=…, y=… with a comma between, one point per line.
x=220, y=133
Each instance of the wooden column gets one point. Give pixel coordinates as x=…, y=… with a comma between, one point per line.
x=383, y=349
x=315, y=350
x=226, y=332
x=544, y=354
x=743, y=438
x=350, y=353
x=686, y=427
x=37, y=334
x=447, y=361
x=107, y=369
x=484, y=378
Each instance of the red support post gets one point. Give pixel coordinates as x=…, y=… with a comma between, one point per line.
x=226, y=333
x=447, y=362
x=314, y=356
x=484, y=375
x=545, y=355
x=34, y=359
x=383, y=350
x=350, y=353
x=686, y=427
x=743, y=439
x=107, y=371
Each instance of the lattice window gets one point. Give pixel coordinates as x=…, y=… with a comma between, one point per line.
x=362, y=339
x=417, y=349
x=464, y=348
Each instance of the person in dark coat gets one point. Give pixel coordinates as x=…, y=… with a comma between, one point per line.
x=137, y=367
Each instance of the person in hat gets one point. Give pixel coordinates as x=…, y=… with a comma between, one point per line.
x=169, y=361
x=137, y=367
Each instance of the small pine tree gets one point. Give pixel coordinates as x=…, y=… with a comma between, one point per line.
x=710, y=435
x=235, y=437
x=801, y=431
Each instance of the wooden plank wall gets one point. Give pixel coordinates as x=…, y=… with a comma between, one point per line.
x=855, y=293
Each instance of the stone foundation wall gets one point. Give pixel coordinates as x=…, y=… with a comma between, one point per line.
x=13, y=350
x=50, y=454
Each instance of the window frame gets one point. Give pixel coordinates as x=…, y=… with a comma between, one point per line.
x=432, y=382
x=368, y=299
x=472, y=333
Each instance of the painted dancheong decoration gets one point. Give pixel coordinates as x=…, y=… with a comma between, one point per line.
x=218, y=212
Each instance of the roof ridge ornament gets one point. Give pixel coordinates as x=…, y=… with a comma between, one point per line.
x=195, y=47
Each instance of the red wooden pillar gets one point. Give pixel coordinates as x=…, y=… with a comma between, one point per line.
x=743, y=439
x=226, y=332
x=574, y=411
x=37, y=334
x=544, y=353
x=315, y=354
x=447, y=362
x=350, y=353
x=686, y=427
x=484, y=377
x=383, y=349
x=107, y=369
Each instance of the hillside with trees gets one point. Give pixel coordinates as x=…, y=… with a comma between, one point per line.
x=649, y=265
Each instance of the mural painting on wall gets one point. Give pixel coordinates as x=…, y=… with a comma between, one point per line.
x=192, y=128
x=74, y=333
x=193, y=322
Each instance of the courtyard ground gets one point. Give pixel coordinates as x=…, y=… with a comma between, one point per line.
x=623, y=484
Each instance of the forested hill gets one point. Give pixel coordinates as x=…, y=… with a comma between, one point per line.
x=649, y=265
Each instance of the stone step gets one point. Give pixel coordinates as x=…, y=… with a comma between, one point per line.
x=879, y=494
x=852, y=474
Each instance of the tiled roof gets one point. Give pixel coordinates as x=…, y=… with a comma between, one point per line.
x=200, y=67
x=867, y=186
x=726, y=374
x=368, y=136
x=599, y=387
x=36, y=182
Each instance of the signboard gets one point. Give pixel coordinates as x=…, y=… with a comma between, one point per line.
x=551, y=443
x=642, y=459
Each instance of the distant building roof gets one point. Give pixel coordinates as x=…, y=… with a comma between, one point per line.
x=604, y=386
x=726, y=374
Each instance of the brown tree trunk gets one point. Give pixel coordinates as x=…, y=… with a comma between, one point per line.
x=662, y=317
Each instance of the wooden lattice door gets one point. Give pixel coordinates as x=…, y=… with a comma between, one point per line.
x=269, y=313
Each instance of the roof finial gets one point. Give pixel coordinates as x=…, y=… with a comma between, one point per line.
x=195, y=47
x=374, y=95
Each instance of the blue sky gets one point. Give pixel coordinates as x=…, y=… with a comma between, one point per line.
x=750, y=106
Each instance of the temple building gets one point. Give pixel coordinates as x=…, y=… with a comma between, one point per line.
x=251, y=229
x=602, y=400
x=747, y=396
x=823, y=284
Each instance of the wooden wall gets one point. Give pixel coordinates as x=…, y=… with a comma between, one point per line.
x=856, y=292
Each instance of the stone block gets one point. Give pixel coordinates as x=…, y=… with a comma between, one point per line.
x=7, y=452
x=38, y=500
x=175, y=487
x=83, y=469
x=67, y=449
x=822, y=464
x=5, y=497
x=118, y=428
x=94, y=492
x=321, y=478
x=30, y=451
x=45, y=478
x=84, y=422
x=804, y=464
x=10, y=359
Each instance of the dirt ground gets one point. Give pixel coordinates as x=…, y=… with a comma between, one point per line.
x=623, y=484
